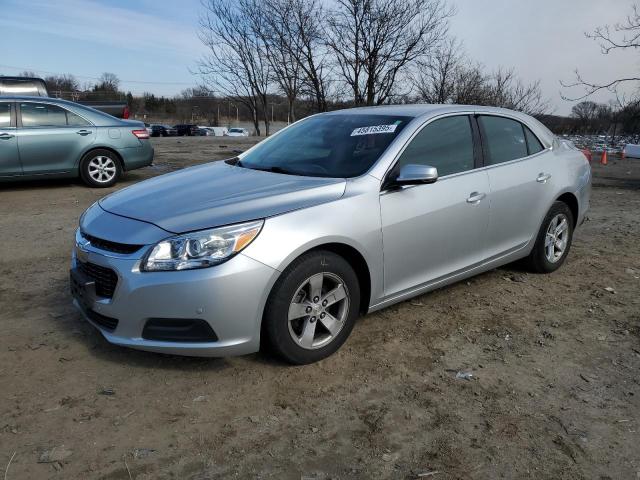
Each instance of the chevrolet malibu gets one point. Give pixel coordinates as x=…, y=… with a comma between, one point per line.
x=338, y=215
x=51, y=138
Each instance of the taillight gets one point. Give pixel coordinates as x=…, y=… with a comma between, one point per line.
x=126, y=112
x=142, y=134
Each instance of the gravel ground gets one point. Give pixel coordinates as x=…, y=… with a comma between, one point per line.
x=555, y=359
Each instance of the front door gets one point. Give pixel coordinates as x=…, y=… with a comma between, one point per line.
x=9, y=159
x=51, y=139
x=432, y=231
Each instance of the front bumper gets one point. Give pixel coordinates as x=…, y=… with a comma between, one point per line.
x=230, y=297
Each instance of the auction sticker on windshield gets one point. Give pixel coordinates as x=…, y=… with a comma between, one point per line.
x=374, y=129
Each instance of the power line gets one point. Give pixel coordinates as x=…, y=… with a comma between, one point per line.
x=142, y=82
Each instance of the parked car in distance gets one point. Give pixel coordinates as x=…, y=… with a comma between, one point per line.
x=45, y=137
x=339, y=214
x=187, y=130
x=237, y=132
x=148, y=127
x=158, y=130
x=30, y=86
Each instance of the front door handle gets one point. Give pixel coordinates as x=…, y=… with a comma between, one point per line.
x=5, y=135
x=83, y=132
x=543, y=177
x=476, y=197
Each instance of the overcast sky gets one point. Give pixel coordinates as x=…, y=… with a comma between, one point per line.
x=151, y=45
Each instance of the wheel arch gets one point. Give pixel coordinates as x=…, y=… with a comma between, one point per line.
x=354, y=257
x=571, y=201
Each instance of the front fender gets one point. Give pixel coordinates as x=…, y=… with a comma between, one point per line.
x=353, y=220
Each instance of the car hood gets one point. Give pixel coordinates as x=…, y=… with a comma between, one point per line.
x=217, y=194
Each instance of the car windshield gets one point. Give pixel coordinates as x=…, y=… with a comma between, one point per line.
x=236, y=130
x=335, y=145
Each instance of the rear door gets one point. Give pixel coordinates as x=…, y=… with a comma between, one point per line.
x=519, y=169
x=9, y=159
x=51, y=139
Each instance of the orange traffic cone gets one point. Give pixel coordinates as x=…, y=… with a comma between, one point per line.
x=622, y=154
x=603, y=160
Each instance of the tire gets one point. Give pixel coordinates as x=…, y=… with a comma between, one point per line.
x=326, y=327
x=100, y=168
x=539, y=260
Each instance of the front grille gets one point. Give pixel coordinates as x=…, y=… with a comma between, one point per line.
x=110, y=246
x=105, y=278
x=103, y=321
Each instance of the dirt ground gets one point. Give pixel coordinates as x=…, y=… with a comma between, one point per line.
x=555, y=359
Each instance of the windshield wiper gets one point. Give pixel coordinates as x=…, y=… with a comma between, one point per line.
x=272, y=169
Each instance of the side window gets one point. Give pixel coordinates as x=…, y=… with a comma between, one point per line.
x=76, y=120
x=503, y=138
x=446, y=144
x=5, y=115
x=532, y=141
x=45, y=115
x=42, y=115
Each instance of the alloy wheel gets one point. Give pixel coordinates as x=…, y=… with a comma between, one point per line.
x=556, y=238
x=102, y=169
x=318, y=310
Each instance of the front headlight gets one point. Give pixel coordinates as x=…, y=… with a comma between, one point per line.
x=201, y=249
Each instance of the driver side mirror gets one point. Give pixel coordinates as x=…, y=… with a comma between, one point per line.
x=414, y=174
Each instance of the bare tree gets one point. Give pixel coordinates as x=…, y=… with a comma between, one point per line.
x=62, y=83
x=297, y=30
x=283, y=51
x=236, y=64
x=508, y=91
x=108, y=82
x=450, y=77
x=435, y=79
x=585, y=112
x=375, y=41
x=621, y=36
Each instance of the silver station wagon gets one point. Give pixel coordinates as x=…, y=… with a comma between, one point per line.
x=340, y=214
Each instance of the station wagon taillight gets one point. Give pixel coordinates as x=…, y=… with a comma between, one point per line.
x=142, y=134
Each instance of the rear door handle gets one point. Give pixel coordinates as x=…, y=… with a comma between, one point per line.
x=6, y=135
x=543, y=177
x=83, y=132
x=476, y=197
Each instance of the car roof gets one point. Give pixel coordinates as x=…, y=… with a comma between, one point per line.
x=421, y=109
x=427, y=110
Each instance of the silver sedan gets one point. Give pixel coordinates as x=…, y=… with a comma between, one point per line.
x=338, y=215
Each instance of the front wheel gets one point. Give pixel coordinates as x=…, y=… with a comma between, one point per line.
x=553, y=241
x=312, y=308
x=100, y=168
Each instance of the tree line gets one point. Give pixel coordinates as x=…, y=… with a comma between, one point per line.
x=347, y=53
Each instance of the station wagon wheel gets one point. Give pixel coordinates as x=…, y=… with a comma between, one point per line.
x=312, y=308
x=318, y=310
x=553, y=241
x=100, y=168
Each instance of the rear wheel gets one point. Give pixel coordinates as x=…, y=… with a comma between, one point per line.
x=553, y=241
x=312, y=308
x=100, y=168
